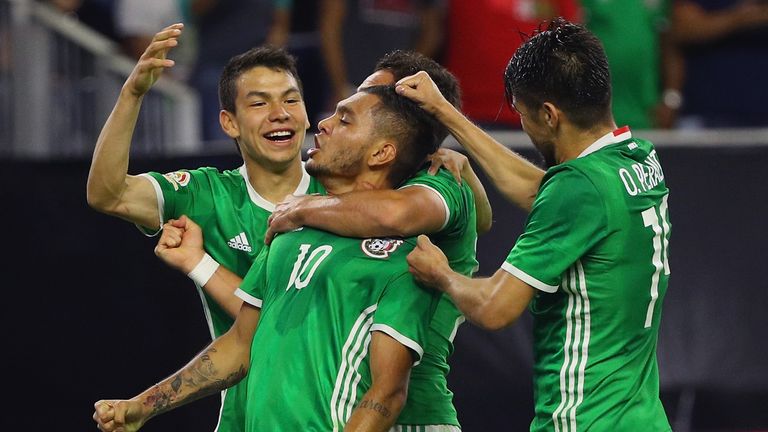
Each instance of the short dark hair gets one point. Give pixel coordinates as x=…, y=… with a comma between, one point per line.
x=405, y=63
x=566, y=65
x=412, y=128
x=266, y=56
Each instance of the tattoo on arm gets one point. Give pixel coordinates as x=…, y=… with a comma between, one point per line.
x=199, y=379
x=376, y=406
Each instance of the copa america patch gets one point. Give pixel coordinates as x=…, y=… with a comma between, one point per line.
x=177, y=178
x=380, y=248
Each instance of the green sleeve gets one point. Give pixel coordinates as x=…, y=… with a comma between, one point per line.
x=178, y=193
x=253, y=288
x=404, y=312
x=568, y=218
x=455, y=197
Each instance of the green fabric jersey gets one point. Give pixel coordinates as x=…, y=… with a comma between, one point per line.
x=321, y=296
x=629, y=31
x=595, y=245
x=233, y=218
x=430, y=402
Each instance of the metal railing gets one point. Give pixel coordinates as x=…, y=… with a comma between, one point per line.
x=59, y=80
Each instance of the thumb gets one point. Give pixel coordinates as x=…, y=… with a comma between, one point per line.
x=180, y=222
x=423, y=241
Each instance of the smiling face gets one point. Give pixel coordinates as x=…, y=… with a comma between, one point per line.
x=270, y=119
x=343, y=140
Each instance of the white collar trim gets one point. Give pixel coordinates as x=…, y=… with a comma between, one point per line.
x=260, y=201
x=617, y=136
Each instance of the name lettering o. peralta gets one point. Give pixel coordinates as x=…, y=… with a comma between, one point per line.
x=642, y=177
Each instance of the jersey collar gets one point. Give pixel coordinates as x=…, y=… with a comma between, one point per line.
x=260, y=201
x=617, y=136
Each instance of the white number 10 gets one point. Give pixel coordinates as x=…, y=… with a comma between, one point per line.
x=657, y=221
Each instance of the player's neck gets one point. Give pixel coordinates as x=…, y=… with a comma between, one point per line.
x=273, y=183
x=573, y=141
x=370, y=180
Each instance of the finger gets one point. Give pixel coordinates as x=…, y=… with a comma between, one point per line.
x=423, y=241
x=435, y=164
x=159, y=49
x=150, y=64
x=173, y=30
x=268, y=236
x=180, y=223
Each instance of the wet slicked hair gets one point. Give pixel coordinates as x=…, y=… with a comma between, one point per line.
x=412, y=129
x=564, y=64
x=266, y=56
x=405, y=63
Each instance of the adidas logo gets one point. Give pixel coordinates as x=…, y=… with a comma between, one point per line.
x=239, y=242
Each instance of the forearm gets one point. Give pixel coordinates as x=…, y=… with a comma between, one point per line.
x=221, y=287
x=515, y=177
x=109, y=166
x=332, y=12
x=483, y=209
x=360, y=214
x=692, y=24
x=376, y=411
x=221, y=365
x=431, y=34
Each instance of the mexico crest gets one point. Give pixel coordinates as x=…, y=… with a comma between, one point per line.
x=380, y=248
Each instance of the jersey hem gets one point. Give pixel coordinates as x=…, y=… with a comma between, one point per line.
x=396, y=335
x=530, y=280
x=251, y=300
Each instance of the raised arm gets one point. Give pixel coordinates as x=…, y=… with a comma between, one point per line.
x=379, y=407
x=221, y=365
x=110, y=189
x=491, y=303
x=515, y=177
x=403, y=212
x=181, y=247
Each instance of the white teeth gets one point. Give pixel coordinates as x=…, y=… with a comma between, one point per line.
x=279, y=134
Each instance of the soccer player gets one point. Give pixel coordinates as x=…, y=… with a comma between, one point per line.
x=263, y=112
x=433, y=204
x=340, y=320
x=592, y=263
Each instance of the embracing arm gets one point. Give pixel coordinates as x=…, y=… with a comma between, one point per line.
x=379, y=407
x=515, y=177
x=110, y=189
x=491, y=303
x=221, y=365
x=402, y=212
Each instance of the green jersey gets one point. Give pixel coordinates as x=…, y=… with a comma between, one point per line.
x=233, y=218
x=595, y=245
x=430, y=402
x=321, y=296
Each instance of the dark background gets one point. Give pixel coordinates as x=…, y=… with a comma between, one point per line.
x=93, y=314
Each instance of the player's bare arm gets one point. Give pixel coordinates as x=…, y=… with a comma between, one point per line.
x=379, y=407
x=402, y=212
x=221, y=365
x=515, y=177
x=491, y=303
x=181, y=247
x=110, y=189
x=458, y=165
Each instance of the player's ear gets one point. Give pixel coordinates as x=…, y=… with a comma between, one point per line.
x=551, y=115
x=228, y=124
x=383, y=153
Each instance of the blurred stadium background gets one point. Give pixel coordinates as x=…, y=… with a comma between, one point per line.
x=93, y=314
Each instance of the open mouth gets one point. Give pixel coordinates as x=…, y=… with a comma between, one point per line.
x=280, y=136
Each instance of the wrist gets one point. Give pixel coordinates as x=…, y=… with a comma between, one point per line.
x=204, y=270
